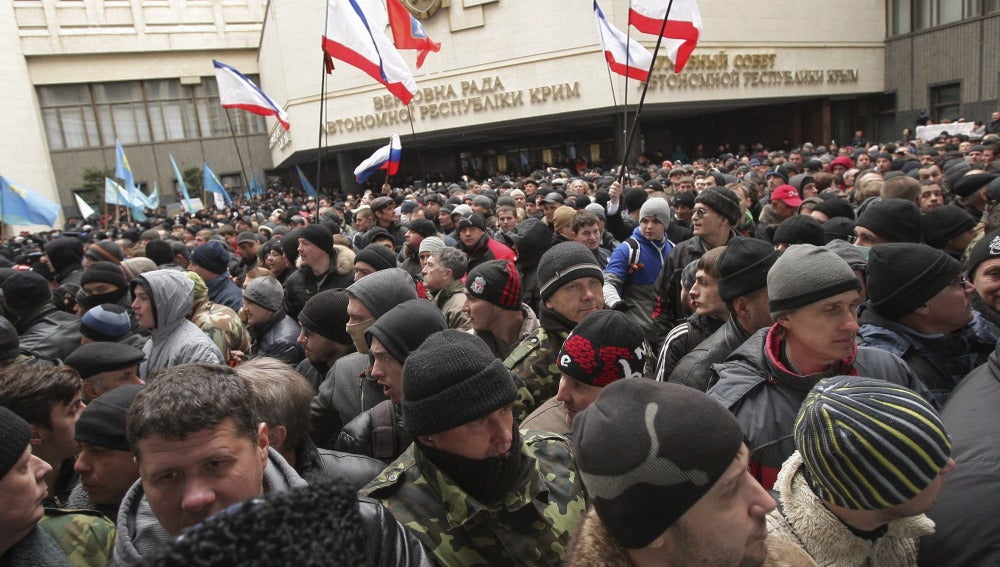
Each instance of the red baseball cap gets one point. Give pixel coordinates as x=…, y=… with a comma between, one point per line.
x=788, y=194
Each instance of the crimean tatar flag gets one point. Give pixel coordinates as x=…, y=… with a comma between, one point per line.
x=680, y=36
x=237, y=91
x=625, y=55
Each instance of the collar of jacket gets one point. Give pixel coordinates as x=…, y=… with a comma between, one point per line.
x=781, y=374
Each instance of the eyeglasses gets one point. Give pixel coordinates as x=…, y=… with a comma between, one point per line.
x=699, y=213
x=960, y=281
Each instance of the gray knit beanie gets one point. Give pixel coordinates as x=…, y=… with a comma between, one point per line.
x=647, y=451
x=805, y=274
x=266, y=292
x=656, y=207
x=383, y=290
x=453, y=379
x=563, y=263
x=855, y=256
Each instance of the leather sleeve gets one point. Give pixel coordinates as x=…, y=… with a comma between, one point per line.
x=389, y=542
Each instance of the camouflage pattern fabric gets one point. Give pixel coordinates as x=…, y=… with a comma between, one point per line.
x=223, y=326
x=533, y=360
x=531, y=526
x=86, y=537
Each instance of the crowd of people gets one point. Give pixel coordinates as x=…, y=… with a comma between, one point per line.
x=783, y=357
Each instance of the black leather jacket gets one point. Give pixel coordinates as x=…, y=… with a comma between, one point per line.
x=278, y=338
x=315, y=465
x=48, y=333
x=695, y=369
x=389, y=542
x=358, y=436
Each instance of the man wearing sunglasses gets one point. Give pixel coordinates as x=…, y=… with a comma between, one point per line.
x=921, y=311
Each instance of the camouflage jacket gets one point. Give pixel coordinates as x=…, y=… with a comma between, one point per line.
x=86, y=537
x=223, y=326
x=532, y=526
x=533, y=361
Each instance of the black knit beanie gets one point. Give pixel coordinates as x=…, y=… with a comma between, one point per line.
x=836, y=208
x=453, y=379
x=376, y=256
x=743, y=266
x=838, y=228
x=26, y=289
x=15, y=433
x=647, y=451
x=160, y=252
x=212, y=256
x=497, y=282
x=903, y=276
x=987, y=248
x=941, y=224
x=321, y=237
x=326, y=314
x=799, y=229
x=895, y=220
x=10, y=343
x=805, y=274
x=564, y=263
x=722, y=201
x=423, y=227
x=405, y=327
x=605, y=346
x=290, y=245
x=64, y=252
x=102, y=422
x=106, y=272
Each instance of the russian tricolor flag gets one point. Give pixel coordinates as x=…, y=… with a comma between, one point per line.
x=386, y=157
x=681, y=32
x=237, y=91
x=625, y=55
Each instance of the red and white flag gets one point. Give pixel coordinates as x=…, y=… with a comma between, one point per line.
x=237, y=91
x=408, y=33
x=356, y=35
x=625, y=55
x=680, y=36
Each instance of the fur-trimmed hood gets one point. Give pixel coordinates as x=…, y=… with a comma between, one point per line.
x=593, y=546
x=806, y=522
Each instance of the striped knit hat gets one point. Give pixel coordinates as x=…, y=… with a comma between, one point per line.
x=869, y=444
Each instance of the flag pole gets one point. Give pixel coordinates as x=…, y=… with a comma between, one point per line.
x=642, y=98
x=413, y=140
x=322, y=95
x=232, y=133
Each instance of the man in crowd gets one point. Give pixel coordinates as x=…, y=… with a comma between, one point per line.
x=743, y=268
x=677, y=491
x=378, y=432
x=571, y=288
x=29, y=534
x=812, y=297
x=890, y=220
x=920, y=310
x=470, y=486
x=248, y=246
x=273, y=332
x=322, y=334
x=105, y=463
x=211, y=262
x=477, y=244
x=48, y=398
x=45, y=332
x=493, y=303
x=197, y=437
x=606, y=346
x=443, y=271
x=384, y=210
x=870, y=459
x=104, y=367
x=324, y=267
x=162, y=300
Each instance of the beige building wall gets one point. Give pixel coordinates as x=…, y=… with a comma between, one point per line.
x=52, y=42
x=505, y=60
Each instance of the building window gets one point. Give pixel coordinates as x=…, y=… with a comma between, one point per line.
x=913, y=15
x=946, y=102
x=94, y=115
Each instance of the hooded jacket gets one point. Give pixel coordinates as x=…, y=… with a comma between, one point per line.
x=766, y=396
x=803, y=520
x=140, y=533
x=636, y=284
x=175, y=340
x=531, y=239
